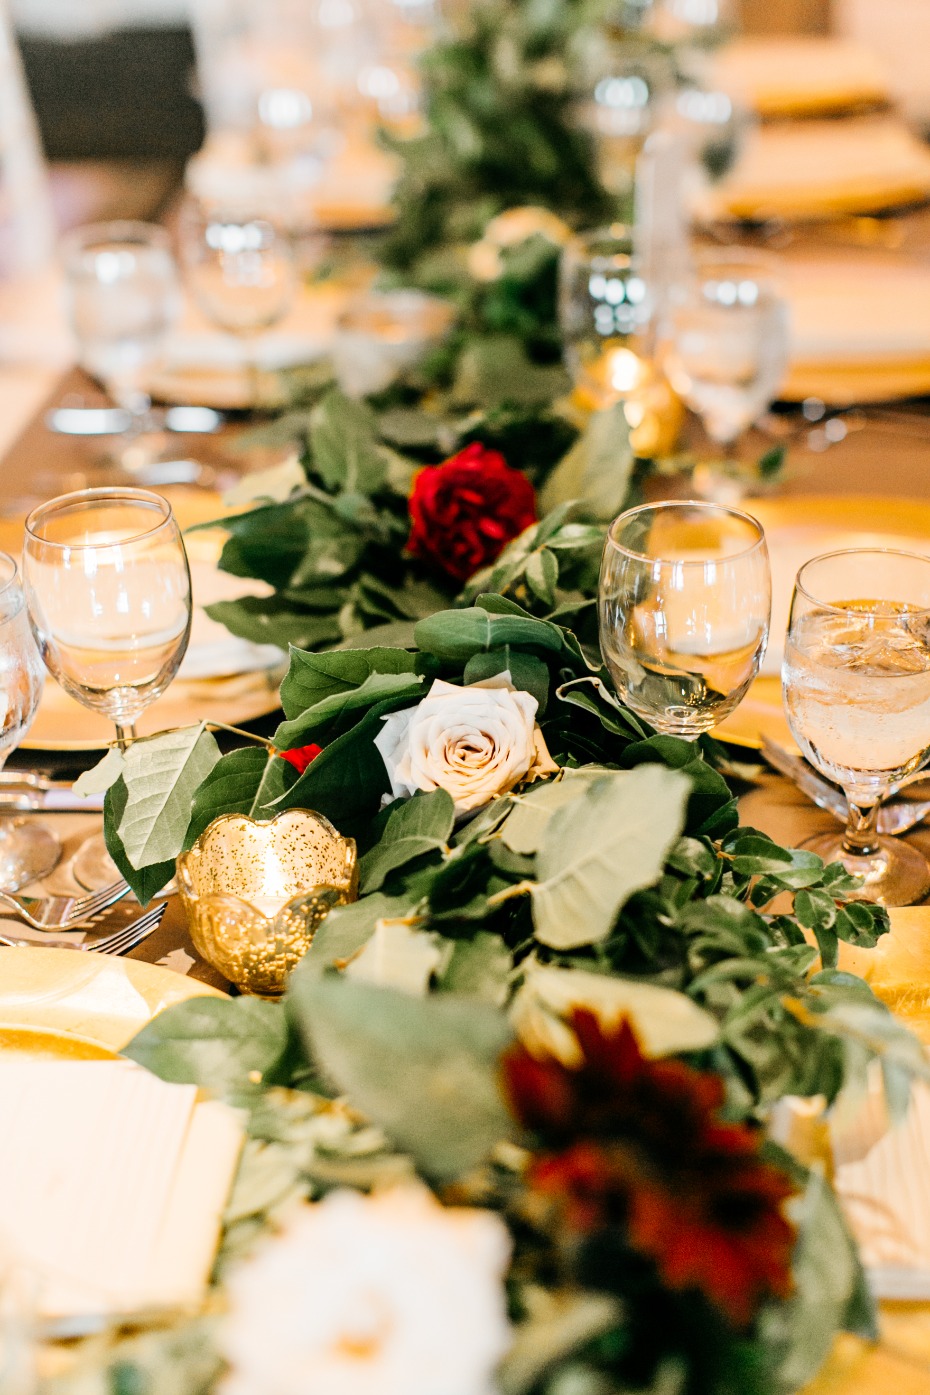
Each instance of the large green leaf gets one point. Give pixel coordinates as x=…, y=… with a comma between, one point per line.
x=457, y=635
x=276, y=620
x=414, y=827
x=525, y=826
x=425, y=1070
x=344, y=444
x=147, y=881
x=245, y=781
x=312, y=678
x=346, y=929
x=598, y=468
x=229, y=1045
x=327, y=718
x=600, y=849
x=161, y=776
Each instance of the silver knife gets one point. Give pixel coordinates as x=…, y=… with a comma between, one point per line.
x=24, y=790
x=896, y=814
x=113, y=421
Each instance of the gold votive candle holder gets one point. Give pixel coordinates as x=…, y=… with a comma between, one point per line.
x=256, y=891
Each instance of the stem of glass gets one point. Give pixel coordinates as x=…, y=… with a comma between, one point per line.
x=253, y=370
x=861, y=836
x=125, y=735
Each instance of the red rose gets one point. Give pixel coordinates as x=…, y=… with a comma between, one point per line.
x=465, y=511
x=301, y=756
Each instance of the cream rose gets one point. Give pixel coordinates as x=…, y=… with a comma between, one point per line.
x=390, y=1294
x=474, y=742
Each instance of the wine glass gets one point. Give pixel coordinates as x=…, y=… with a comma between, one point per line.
x=108, y=590
x=856, y=684
x=726, y=347
x=28, y=850
x=122, y=297
x=684, y=602
x=241, y=271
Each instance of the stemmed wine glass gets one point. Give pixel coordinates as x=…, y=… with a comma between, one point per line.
x=28, y=850
x=726, y=349
x=856, y=684
x=108, y=591
x=241, y=271
x=122, y=296
x=684, y=602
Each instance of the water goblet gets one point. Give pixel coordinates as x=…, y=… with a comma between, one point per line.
x=108, y=591
x=684, y=602
x=856, y=685
x=122, y=297
x=28, y=850
x=241, y=271
x=726, y=349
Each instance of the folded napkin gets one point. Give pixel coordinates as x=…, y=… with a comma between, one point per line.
x=776, y=75
x=114, y=1190
x=818, y=169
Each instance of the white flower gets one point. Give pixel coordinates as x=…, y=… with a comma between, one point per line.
x=389, y=1294
x=474, y=742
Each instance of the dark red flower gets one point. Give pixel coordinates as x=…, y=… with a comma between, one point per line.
x=465, y=511
x=639, y=1144
x=301, y=756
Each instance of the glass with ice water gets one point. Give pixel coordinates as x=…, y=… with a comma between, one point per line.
x=856, y=682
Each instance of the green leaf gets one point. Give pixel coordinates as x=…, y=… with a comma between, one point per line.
x=346, y=929
x=327, y=719
x=274, y=485
x=494, y=370
x=525, y=826
x=527, y=672
x=598, y=468
x=344, y=445
x=861, y=923
x=161, y=776
x=313, y=678
x=591, y=694
x=457, y=635
x=424, y=1070
x=816, y=910
x=599, y=850
x=245, y=781
x=346, y=781
x=415, y=826
x=275, y=620
x=398, y=956
x=479, y=967
x=100, y=777
x=148, y=881
x=221, y=1044
x=542, y=575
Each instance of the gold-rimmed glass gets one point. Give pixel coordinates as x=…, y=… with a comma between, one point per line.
x=856, y=684
x=108, y=592
x=684, y=601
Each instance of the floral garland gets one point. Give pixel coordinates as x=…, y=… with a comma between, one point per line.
x=560, y=913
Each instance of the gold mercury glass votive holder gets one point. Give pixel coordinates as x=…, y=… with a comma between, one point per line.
x=255, y=893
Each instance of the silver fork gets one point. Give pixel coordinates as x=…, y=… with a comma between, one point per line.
x=120, y=942
x=63, y=912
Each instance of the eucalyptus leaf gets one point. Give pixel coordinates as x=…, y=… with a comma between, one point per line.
x=525, y=826
x=597, y=851
x=273, y=485
x=228, y=1045
x=328, y=718
x=161, y=776
x=246, y=781
x=345, y=930
x=457, y=635
x=344, y=445
x=425, y=1070
x=101, y=776
x=597, y=469
x=415, y=826
x=147, y=881
x=275, y=620
x=315, y=678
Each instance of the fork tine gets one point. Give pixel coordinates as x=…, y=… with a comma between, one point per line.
x=130, y=935
x=89, y=906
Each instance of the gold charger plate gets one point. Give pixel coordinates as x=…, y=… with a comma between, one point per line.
x=797, y=529
x=66, y=1003
x=854, y=384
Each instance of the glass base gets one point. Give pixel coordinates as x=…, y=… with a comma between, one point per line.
x=93, y=867
x=28, y=852
x=898, y=875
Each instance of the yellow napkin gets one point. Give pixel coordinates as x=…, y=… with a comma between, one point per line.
x=817, y=169
x=776, y=75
